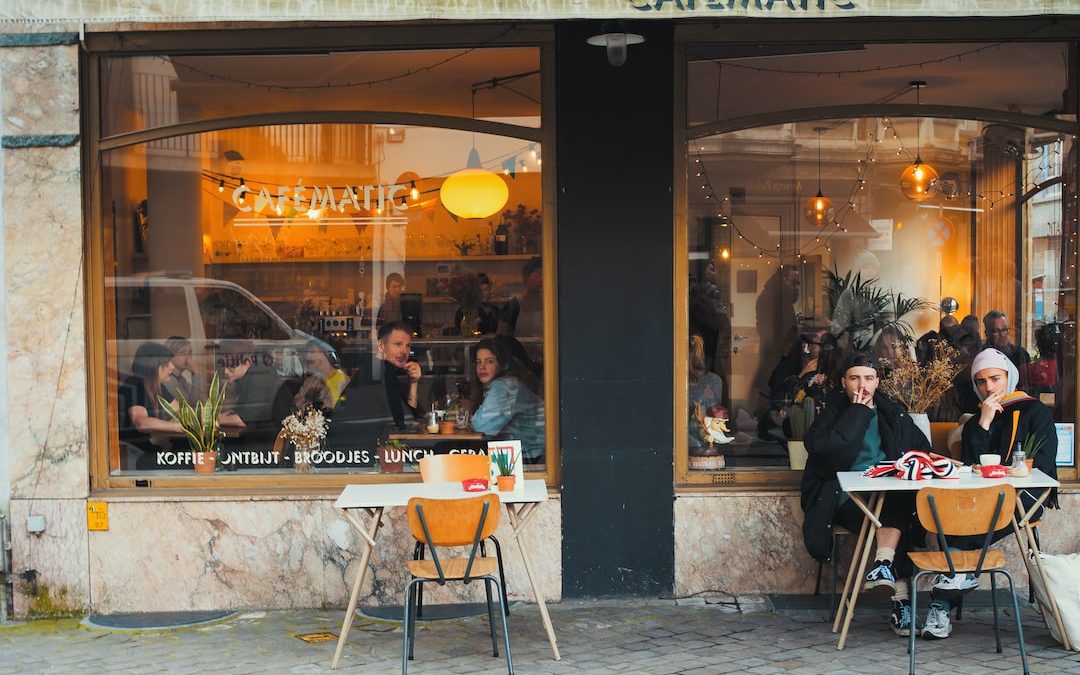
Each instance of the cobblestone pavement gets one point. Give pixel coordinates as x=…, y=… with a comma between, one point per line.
x=611, y=636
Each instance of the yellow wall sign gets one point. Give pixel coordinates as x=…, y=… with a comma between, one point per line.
x=97, y=516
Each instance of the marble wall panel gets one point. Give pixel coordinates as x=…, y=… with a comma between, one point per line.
x=748, y=544
x=166, y=555
x=40, y=88
x=44, y=305
x=58, y=556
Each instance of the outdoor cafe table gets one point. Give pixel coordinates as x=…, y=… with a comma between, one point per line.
x=370, y=501
x=858, y=487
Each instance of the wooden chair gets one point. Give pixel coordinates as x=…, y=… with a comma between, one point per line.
x=939, y=438
x=453, y=522
x=953, y=512
x=449, y=469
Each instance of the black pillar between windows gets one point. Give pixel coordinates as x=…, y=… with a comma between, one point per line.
x=615, y=251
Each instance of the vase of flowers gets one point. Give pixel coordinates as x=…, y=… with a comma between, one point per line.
x=527, y=226
x=919, y=386
x=200, y=424
x=392, y=454
x=306, y=429
x=465, y=288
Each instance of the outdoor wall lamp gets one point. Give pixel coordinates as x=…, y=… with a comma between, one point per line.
x=614, y=38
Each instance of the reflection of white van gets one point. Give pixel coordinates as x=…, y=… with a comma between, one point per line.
x=210, y=314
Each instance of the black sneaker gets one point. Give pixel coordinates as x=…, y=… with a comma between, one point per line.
x=900, y=620
x=881, y=574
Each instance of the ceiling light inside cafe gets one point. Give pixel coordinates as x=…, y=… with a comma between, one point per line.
x=474, y=192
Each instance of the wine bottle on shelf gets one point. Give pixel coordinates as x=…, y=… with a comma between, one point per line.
x=502, y=239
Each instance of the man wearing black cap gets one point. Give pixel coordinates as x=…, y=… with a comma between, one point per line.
x=859, y=427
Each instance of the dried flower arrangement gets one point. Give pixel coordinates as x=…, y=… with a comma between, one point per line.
x=305, y=428
x=918, y=387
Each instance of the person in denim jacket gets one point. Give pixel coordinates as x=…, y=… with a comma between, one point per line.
x=505, y=400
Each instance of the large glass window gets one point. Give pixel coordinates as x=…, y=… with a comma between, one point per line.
x=779, y=290
x=324, y=266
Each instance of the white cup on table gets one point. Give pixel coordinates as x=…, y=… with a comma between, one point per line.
x=989, y=459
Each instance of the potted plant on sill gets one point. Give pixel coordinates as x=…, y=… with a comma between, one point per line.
x=391, y=456
x=505, y=463
x=919, y=387
x=800, y=416
x=200, y=424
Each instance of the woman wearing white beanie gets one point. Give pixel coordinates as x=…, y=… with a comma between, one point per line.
x=1006, y=417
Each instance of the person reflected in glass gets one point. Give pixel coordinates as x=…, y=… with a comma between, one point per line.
x=487, y=311
x=704, y=388
x=183, y=379
x=859, y=427
x=505, y=401
x=390, y=309
x=234, y=360
x=523, y=314
x=325, y=382
x=395, y=349
x=998, y=332
x=140, y=412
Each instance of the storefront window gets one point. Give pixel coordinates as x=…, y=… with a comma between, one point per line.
x=275, y=256
x=778, y=292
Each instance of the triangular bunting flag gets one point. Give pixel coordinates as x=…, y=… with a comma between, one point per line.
x=510, y=166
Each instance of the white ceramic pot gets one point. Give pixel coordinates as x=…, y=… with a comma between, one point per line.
x=922, y=420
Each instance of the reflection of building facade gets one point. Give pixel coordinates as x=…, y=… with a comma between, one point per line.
x=300, y=203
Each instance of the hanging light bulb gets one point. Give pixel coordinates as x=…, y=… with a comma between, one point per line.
x=414, y=194
x=473, y=192
x=819, y=208
x=221, y=185
x=917, y=180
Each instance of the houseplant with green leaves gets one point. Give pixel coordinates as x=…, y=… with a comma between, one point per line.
x=200, y=424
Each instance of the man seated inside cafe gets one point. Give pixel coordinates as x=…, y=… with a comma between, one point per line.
x=1006, y=417
x=395, y=350
x=860, y=427
x=996, y=324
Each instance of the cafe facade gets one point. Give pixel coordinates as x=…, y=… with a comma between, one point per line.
x=267, y=186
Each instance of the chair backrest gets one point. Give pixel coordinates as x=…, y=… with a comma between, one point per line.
x=939, y=438
x=453, y=522
x=450, y=468
x=965, y=512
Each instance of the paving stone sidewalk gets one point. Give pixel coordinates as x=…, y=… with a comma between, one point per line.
x=656, y=637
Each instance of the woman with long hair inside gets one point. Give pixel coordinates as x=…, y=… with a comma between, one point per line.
x=140, y=412
x=505, y=399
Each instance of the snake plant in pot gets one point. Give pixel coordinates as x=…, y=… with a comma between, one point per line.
x=200, y=424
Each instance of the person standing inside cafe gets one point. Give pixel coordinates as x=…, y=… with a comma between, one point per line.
x=395, y=350
x=523, y=314
x=1006, y=417
x=860, y=427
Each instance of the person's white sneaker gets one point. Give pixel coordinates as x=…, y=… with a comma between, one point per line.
x=937, y=626
x=955, y=582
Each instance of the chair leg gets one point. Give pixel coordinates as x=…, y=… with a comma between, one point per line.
x=506, y=636
x=993, y=601
x=502, y=574
x=835, y=576
x=405, y=628
x=1031, y=586
x=415, y=611
x=418, y=554
x=491, y=618
x=914, y=621
x=959, y=602
x=1019, y=626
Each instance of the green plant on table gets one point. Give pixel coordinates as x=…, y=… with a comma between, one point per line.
x=505, y=462
x=1032, y=445
x=199, y=422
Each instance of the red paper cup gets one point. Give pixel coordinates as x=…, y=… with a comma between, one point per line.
x=474, y=485
x=994, y=471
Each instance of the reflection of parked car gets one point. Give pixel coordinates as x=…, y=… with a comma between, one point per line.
x=215, y=316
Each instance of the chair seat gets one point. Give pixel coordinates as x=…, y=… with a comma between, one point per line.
x=963, y=561
x=453, y=568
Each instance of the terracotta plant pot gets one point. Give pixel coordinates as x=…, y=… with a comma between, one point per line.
x=205, y=462
x=447, y=426
x=1030, y=463
x=506, y=483
x=391, y=460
